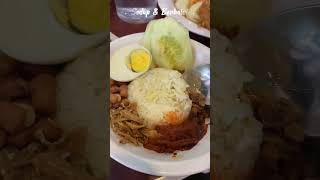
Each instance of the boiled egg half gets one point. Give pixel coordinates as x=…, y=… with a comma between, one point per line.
x=31, y=33
x=129, y=62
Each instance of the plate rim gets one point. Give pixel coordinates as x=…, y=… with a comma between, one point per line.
x=193, y=170
x=183, y=20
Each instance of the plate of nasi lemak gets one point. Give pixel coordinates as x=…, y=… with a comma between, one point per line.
x=159, y=124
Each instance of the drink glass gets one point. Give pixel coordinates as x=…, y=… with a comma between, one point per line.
x=136, y=11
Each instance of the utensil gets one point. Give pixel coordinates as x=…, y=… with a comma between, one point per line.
x=199, y=78
x=283, y=53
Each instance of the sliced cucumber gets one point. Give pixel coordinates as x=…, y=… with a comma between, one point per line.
x=169, y=44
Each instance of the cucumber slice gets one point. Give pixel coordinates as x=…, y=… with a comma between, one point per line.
x=169, y=44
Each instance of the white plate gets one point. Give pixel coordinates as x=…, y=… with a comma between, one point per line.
x=168, y=5
x=143, y=160
x=30, y=33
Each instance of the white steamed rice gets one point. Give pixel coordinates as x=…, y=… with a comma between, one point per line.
x=158, y=92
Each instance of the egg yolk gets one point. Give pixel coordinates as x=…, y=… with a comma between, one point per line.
x=139, y=60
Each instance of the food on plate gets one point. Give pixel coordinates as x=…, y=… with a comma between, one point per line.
x=34, y=144
x=151, y=104
x=159, y=111
x=237, y=134
x=88, y=17
x=161, y=97
x=186, y=135
x=126, y=123
x=129, y=62
x=197, y=11
x=169, y=44
x=139, y=60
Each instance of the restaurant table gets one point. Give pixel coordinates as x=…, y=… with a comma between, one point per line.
x=120, y=28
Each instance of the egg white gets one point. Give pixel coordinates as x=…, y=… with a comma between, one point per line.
x=119, y=71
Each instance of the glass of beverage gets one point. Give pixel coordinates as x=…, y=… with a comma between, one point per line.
x=136, y=11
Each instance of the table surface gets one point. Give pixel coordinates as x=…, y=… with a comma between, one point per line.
x=121, y=28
